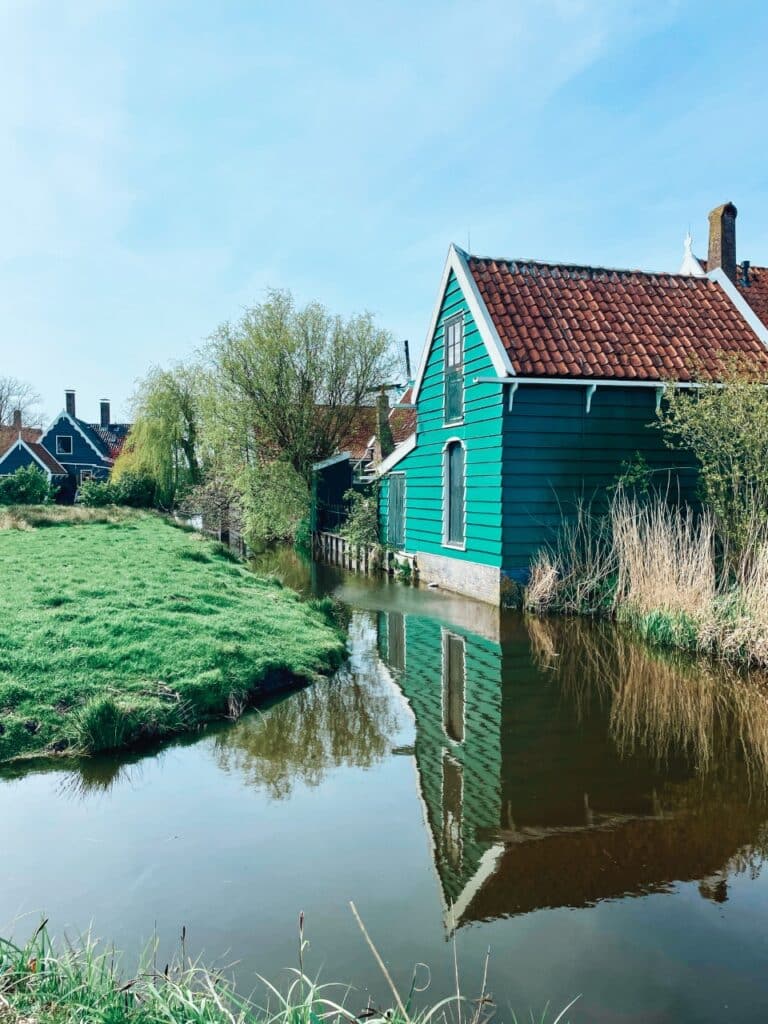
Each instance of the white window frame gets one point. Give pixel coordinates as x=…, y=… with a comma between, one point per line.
x=447, y=497
x=446, y=637
x=457, y=320
x=65, y=437
x=86, y=474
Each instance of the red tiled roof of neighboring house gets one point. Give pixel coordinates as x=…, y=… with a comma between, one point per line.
x=46, y=458
x=756, y=292
x=569, y=321
x=10, y=435
x=113, y=436
x=402, y=421
x=359, y=441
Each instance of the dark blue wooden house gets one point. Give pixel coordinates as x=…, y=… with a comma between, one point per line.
x=69, y=451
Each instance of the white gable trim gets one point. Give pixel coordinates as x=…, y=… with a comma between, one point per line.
x=394, y=457
x=65, y=415
x=456, y=261
x=719, y=276
x=341, y=457
x=25, y=447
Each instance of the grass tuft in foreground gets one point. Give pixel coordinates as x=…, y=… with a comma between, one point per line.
x=117, y=629
x=74, y=984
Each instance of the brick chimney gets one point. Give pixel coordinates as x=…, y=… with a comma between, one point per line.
x=722, y=239
x=69, y=399
x=105, y=418
x=385, y=442
x=17, y=419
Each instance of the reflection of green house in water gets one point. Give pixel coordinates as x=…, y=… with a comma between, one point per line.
x=528, y=801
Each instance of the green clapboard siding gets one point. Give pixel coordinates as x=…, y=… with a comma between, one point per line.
x=526, y=468
x=556, y=455
x=481, y=431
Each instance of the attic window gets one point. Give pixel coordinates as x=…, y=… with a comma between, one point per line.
x=454, y=369
x=63, y=444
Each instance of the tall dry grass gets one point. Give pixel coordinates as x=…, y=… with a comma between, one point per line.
x=663, y=570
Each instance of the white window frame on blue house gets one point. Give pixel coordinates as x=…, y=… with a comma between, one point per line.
x=64, y=437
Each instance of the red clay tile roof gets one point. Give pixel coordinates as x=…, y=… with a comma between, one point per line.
x=46, y=458
x=10, y=435
x=363, y=429
x=402, y=421
x=756, y=292
x=114, y=436
x=567, y=321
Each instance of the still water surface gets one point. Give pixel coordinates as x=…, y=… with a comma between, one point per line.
x=594, y=814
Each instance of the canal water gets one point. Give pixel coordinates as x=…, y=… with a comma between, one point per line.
x=593, y=814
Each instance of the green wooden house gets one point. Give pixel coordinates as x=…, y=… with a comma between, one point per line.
x=537, y=383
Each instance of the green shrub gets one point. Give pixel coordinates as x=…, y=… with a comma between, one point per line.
x=362, y=525
x=27, y=486
x=136, y=490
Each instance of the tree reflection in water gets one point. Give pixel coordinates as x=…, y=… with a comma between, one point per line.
x=348, y=720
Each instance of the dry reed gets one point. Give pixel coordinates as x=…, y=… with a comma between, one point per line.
x=657, y=567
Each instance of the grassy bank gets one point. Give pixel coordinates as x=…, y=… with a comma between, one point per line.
x=117, y=628
x=77, y=984
x=663, y=572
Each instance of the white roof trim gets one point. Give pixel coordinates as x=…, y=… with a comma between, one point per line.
x=719, y=276
x=65, y=415
x=487, y=867
x=456, y=261
x=341, y=457
x=399, y=453
x=21, y=443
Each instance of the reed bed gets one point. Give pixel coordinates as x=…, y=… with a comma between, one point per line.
x=44, y=983
x=664, y=571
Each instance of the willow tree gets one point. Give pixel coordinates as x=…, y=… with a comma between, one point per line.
x=164, y=439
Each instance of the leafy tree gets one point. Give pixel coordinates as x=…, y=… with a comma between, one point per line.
x=16, y=394
x=290, y=380
x=164, y=441
x=726, y=427
x=284, y=391
x=27, y=486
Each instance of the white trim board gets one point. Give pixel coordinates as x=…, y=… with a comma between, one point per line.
x=394, y=457
x=65, y=415
x=341, y=457
x=456, y=261
x=719, y=276
x=21, y=443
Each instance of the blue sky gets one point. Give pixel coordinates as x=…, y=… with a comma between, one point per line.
x=164, y=162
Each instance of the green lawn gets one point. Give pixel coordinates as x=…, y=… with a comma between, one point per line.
x=125, y=628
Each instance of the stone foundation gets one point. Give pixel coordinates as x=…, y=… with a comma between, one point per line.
x=482, y=582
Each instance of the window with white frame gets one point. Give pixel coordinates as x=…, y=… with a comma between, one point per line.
x=86, y=474
x=63, y=444
x=454, y=369
x=454, y=495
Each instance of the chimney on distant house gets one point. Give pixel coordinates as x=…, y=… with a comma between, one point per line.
x=69, y=399
x=722, y=239
x=385, y=442
x=105, y=418
x=17, y=419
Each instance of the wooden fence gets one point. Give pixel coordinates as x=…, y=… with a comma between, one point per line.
x=333, y=549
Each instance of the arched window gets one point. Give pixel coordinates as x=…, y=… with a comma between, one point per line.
x=454, y=500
